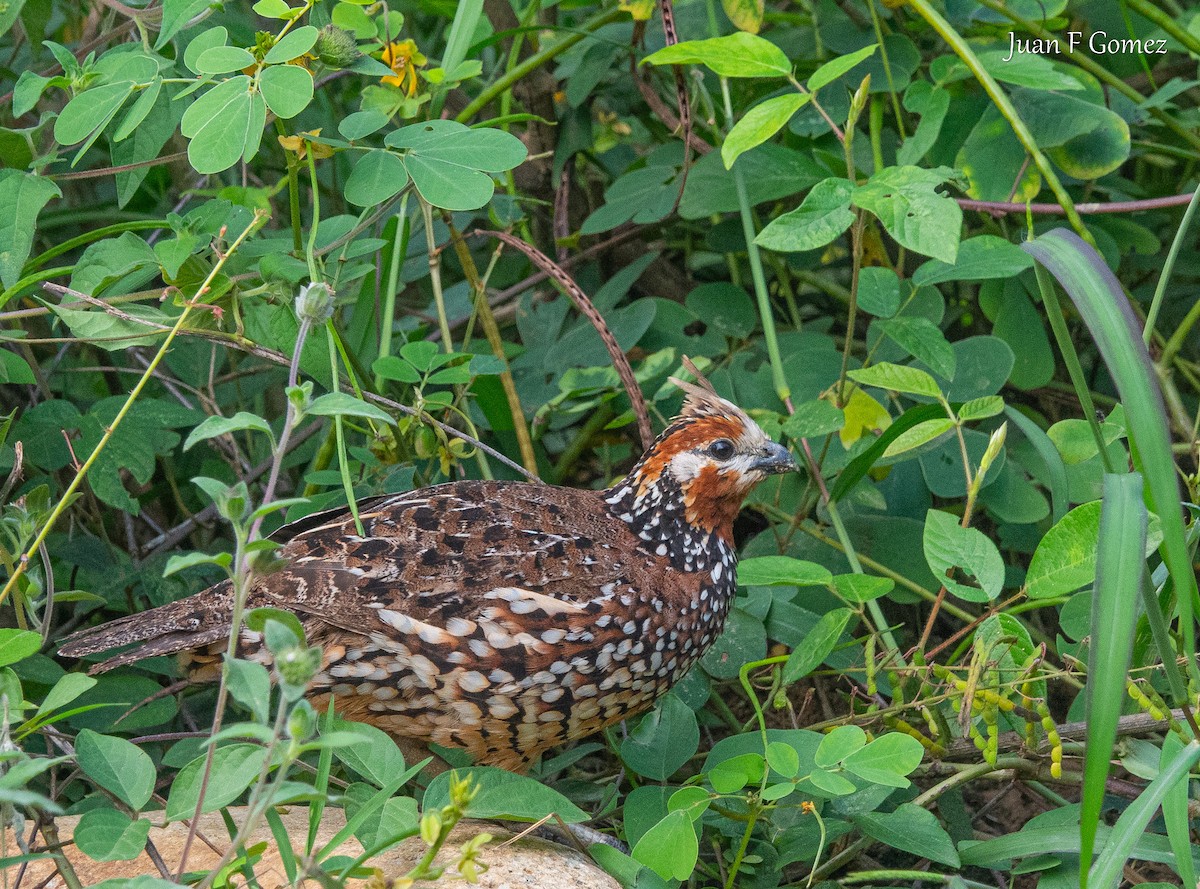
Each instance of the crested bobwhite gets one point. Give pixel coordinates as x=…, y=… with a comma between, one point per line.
x=502, y=617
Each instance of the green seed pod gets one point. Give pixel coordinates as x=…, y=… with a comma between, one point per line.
x=336, y=47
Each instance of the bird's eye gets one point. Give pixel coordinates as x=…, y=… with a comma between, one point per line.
x=721, y=449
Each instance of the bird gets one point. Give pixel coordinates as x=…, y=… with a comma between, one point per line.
x=503, y=618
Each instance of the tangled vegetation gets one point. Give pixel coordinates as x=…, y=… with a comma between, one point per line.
x=256, y=262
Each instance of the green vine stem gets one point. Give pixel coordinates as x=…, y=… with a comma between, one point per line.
x=1176, y=341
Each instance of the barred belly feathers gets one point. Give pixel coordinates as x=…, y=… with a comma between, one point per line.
x=503, y=618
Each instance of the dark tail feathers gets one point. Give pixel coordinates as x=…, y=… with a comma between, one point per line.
x=178, y=626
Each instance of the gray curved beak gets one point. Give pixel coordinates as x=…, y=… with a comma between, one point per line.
x=775, y=459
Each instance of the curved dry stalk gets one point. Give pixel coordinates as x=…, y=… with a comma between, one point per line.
x=588, y=309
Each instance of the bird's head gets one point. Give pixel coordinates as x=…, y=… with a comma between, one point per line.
x=704, y=463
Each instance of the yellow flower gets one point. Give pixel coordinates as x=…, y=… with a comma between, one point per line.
x=301, y=145
x=404, y=58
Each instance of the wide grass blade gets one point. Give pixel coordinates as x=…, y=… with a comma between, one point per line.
x=1120, y=570
x=1102, y=305
x=1132, y=823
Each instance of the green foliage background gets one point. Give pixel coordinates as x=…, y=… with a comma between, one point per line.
x=299, y=254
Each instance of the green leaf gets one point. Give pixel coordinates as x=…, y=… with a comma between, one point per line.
x=817, y=645
x=1075, y=441
x=202, y=42
x=832, y=70
x=138, y=111
x=90, y=111
x=878, y=292
x=292, y=45
x=906, y=204
x=981, y=408
x=223, y=60
x=886, y=760
x=859, y=588
x=815, y=418
x=669, y=848
x=344, y=404
x=838, y=744
x=736, y=55
x=448, y=162
x=396, y=816
x=831, y=783
x=743, y=640
x=67, y=689
x=759, y=124
x=224, y=125
x=921, y=434
x=16, y=645
x=182, y=561
x=361, y=124
x=109, y=835
x=175, y=15
x=377, y=759
x=663, y=740
x=235, y=767
x=1175, y=813
x=287, y=89
x=504, y=795
x=121, y=768
x=378, y=176
x=1065, y=559
x=979, y=258
x=213, y=426
x=731, y=775
x=1107, y=870
x=822, y=216
x=250, y=685
x=911, y=829
x=948, y=545
x=783, y=758
x=924, y=340
x=9, y=15
x=22, y=197
x=898, y=378
x=1120, y=569
x=781, y=571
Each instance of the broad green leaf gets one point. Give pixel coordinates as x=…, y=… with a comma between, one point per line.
x=1026, y=69
x=949, y=546
x=16, y=645
x=781, y=571
x=886, y=760
x=378, y=759
x=1065, y=559
x=921, y=434
x=175, y=15
x=211, y=427
x=223, y=60
x=221, y=125
x=731, y=775
x=911, y=829
x=832, y=70
x=1085, y=139
x=746, y=15
x=109, y=835
x=287, y=89
x=980, y=258
x=448, y=162
x=859, y=588
x=182, y=561
x=669, y=848
x=1075, y=441
x=344, y=404
x=292, y=45
x=122, y=768
x=878, y=292
x=981, y=408
x=1107, y=870
x=838, y=744
x=9, y=15
x=506, y=796
x=234, y=768
x=822, y=216
x=201, y=43
x=817, y=645
x=663, y=740
x=1120, y=570
x=931, y=103
x=898, y=378
x=138, y=111
x=814, y=418
x=743, y=640
x=249, y=683
x=396, y=816
x=783, y=758
x=831, y=783
x=378, y=176
x=735, y=55
x=759, y=124
x=90, y=111
x=923, y=340
x=66, y=690
x=906, y=203
x=361, y=124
